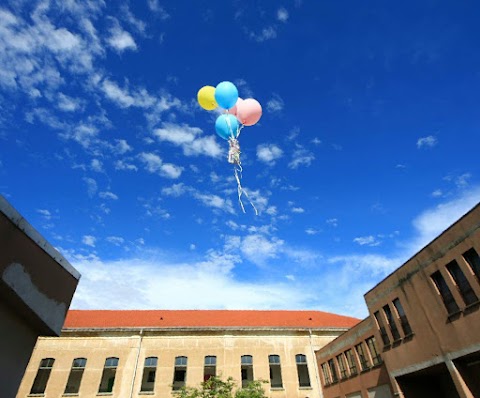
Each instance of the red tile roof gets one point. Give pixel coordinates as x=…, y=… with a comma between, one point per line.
x=106, y=319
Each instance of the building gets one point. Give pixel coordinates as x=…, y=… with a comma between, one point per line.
x=135, y=353
x=351, y=365
x=36, y=288
x=425, y=323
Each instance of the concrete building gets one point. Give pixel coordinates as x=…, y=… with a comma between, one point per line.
x=36, y=288
x=352, y=366
x=425, y=321
x=137, y=353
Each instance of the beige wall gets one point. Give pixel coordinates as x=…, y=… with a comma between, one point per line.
x=227, y=347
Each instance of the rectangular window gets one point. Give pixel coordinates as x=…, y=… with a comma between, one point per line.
x=326, y=374
x=149, y=372
x=407, y=330
x=391, y=322
x=352, y=363
x=210, y=367
x=342, y=366
x=376, y=359
x=180, y=373
x=364, y=362
x=275, y=371
x=75, y=377
x=43, y=374
x=302, y=370
x=246, y=369
x=472, y=258
x=333, y=371
x=108, y=375
x=468, y=295
x=445, y=293
x=381, y=328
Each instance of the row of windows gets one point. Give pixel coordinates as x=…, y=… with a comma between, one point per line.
x=392, y=318
x=346, y=364
x=458, y=279
x=150, y=368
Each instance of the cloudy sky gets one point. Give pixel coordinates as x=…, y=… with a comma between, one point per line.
x=366, y=150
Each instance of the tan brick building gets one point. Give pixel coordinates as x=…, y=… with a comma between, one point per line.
x=425, y=324
x=136, y=353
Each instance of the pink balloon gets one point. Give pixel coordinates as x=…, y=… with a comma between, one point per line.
x=233, y=111
x=249, y=111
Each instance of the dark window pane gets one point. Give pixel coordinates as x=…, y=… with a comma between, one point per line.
x=247, y=360
x=391, y=322
x=381, y=328
x=333, y=370
x=407, y=330
x=342, y=366
x=468, y=295
x=43, y=374
x=364, y=362
x=326, y=374
x=472, y=258
x=352, y=364
x=373, y=351
x=447, y=297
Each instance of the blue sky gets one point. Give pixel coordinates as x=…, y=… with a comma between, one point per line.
x=366, y=150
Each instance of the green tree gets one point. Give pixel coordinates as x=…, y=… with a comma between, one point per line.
x=215, y=387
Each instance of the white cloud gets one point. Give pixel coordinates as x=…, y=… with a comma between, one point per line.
x=154, y=164
x=437, y=193
x=89, y=240
x=45, y=213
x=175, y=190
x=108, y=195
x=96, y=165
x=269, y=153
x=189, y=139
x=138, y=283
x=91, y=186
x=275, y=104
x=155, y=6
x=265, y=34
x=125, y=165
x=115, y=240
x=215, y=201
x=282, y=14
x=332, y=221
x=369, y=240
x=120, y=40
x=68, y=104
x=298, y=210
x=316, y=141
x=427, y=142
x=311, y=231
x=301, y=157
x=121, y=147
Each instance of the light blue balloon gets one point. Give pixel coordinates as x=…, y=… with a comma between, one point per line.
x=226, y=95
x=226, y=126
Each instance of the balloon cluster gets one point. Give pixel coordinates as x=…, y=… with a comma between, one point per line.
x=238, y=111
x=238, y=114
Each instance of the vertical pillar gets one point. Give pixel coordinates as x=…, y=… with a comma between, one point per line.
x=460, y=385
x=397, y=392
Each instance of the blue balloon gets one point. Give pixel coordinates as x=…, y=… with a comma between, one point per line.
x=226, y=126
x=226, y=95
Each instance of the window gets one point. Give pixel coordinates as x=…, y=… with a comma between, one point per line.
x=352, y=364
x=75, y=377
x=381, y=328
x=342, y=366
x=376, y=359
x=407, y=330
x=210, y=367
x=43, y=374
x=391, y=322
x=275, y=371
x=326, y=374
x=302, y=370
x=468, y=295
x=149, y=372
x=246, y=369
x=333, y=371
x=180, y=373
x=442, y=287
x=108, y=375
x=472, y=258
x=364, y=362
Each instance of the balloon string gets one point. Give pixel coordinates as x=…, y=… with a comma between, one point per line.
x=234, y=157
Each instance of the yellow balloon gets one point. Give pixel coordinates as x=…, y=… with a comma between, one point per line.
x=206, y=98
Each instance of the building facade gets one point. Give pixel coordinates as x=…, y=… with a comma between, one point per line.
x=137, y=353
x=352, y=366
x=424, y=323
x=36, y=287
